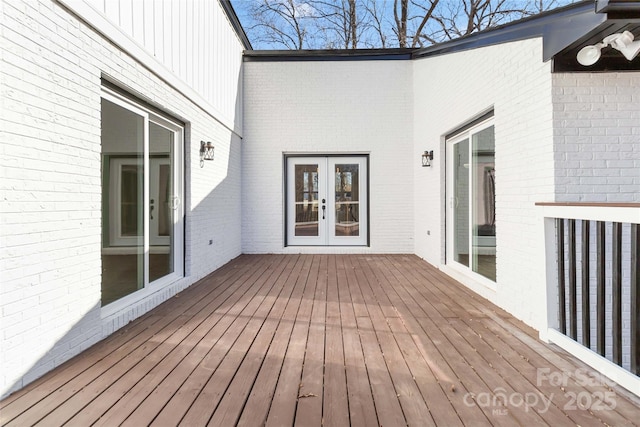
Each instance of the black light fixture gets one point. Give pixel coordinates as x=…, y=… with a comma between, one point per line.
x=206, y=152
x=427, y=156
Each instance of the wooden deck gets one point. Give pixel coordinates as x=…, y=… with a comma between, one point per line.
x=335, y=340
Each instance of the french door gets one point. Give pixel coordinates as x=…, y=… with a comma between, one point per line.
x=471, y=226
x=326, y=201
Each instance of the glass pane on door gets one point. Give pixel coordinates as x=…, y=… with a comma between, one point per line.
x=306, y=200
x=461, y=202
x=161, y=210
x=123, y=269
x=483, y=203
x=164, y=195
x=131, y=188
x=347, y=200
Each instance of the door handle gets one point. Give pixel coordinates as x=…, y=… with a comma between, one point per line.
x=323, y=210
x=151, y=207
x=175, y=202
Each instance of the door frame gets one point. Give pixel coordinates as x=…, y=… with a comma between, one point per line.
x=364, y=200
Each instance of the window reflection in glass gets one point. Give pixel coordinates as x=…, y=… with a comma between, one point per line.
x=347, y=187
x=483, y=203
x=306, y=200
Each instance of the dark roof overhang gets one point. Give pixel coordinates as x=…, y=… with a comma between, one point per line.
x=622, y=9
x=607, y=17
x=573, y=20
x=611, y=60
x=328, y=55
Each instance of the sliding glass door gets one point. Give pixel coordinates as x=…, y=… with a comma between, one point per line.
x=471, y=221
x=142, y=193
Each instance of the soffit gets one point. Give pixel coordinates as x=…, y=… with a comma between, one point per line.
x=611, y=59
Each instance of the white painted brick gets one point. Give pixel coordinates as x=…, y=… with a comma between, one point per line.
x=609, y=137
x=519, y=91
x=328, y=107
x=50, y=222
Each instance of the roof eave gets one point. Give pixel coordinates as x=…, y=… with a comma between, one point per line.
x=327, y=55
x=527, y=28
x=235, y=23
x=618, y=8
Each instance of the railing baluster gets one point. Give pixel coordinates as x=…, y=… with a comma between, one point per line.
x=616, y=243
x=562, y=312
x=615, y=287
x=635, y=299
x=600, y=286
x=586, y=311
x=573, y=310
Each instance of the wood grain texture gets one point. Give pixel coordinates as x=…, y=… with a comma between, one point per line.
x=331, y=340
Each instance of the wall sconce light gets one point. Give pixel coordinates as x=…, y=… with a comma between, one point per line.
x=427, y=156
x=622, y=42
x=206, y=152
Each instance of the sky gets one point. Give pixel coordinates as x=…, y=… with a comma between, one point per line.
x=369, y=38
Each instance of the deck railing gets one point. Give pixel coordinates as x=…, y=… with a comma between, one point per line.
x=593, y=274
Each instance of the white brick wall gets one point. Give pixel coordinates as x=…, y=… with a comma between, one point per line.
x=449, y=91
x=50, y=230
x=328, y=107
x=596, y=121
x=597, y=137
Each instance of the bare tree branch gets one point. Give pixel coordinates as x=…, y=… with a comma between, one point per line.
x=352, y=24
x=377, y=16
x=282, y=22
x=426, y=17
x=340, y=22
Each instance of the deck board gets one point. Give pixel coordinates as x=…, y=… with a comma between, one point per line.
x=310, y=391
x=259, y=400
x=330, y=340
x=335, y=408
x=362, y=410
x=282, y=411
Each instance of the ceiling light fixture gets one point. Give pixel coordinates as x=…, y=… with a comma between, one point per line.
x=623, y=42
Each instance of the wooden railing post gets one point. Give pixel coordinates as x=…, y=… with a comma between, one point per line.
x=616, y=309
x=573, y=306
x=562, y=308
x=600, y=287
x=586, y=312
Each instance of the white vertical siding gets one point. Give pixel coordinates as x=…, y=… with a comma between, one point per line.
x=191, y=38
